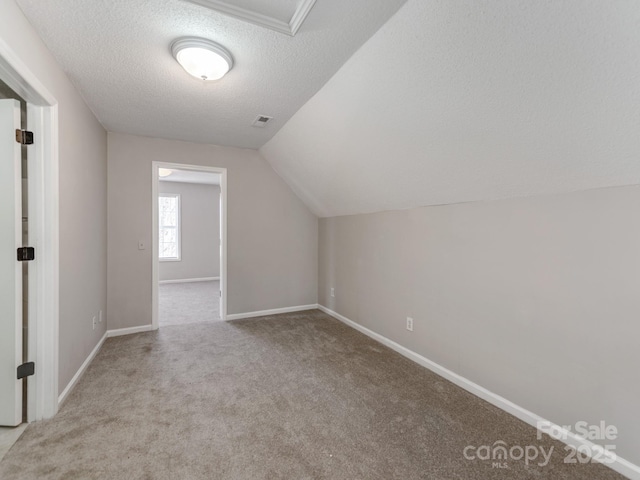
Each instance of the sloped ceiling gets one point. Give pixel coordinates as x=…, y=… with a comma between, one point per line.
x=472, y=100
x=190, y=176
x=117, y=54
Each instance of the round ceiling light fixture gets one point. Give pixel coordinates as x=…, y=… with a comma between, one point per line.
x=202, y=58
x=164, y=172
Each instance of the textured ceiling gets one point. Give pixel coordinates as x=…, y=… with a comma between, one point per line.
x=117, y=54
x=280, y=9
x=190, y=176
x=472, y=100
x=284, y=16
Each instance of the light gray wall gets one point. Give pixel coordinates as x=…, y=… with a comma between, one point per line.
x=83, y=197
x=200, y=228
x=536, y=299
x=272, y=237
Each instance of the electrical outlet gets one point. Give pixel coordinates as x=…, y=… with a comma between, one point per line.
x=333, y=292
x=410, y=324
x=95, y=321
x=141, y=245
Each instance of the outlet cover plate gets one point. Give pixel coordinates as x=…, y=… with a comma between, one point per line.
x=410, y=324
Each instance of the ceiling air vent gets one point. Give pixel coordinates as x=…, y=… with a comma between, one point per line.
x=261, y=121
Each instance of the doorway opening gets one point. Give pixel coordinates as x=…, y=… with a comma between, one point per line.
x=189, y=244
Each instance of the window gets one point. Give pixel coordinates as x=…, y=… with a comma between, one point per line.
x=169, y=223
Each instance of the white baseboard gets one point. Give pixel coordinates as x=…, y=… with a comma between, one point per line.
x=128, y=331
x=262, y=313
x=189, y=280
x=65, y=393
x=108, y=334
x=620, y=465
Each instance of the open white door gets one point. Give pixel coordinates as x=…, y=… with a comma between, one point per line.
x=10, y=268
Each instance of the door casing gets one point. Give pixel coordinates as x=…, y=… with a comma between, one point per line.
x=42, y=120
x=154, y=242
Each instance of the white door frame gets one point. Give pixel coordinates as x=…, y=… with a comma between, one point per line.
x=42, y=120
x=154, y=235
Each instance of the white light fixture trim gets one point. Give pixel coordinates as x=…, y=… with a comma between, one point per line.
x=164, y=172
x=202, y=58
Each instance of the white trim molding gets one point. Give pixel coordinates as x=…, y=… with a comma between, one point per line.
x=189, y=280
x=620, y=465
x=155, y=263
x=83, y=368
x=42, y=119
x=118, y=332
x=108, y=334
x=274, y=311
x=290, y=28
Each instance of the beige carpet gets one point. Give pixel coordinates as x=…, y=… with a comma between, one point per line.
x=294, y=396
x=193, y=302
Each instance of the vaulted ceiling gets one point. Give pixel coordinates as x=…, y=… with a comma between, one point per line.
x=457, y=101
x=117, y=54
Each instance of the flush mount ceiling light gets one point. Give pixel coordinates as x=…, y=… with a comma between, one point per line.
x=202, y=58
x=164, y=172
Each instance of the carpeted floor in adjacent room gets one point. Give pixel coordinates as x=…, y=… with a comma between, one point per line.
x=293, y=396
x=191, y=302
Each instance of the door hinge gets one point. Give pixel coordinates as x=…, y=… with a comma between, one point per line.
x=26, y=370
x=26, y=254
x=24, y=137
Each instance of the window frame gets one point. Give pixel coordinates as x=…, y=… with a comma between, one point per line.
x=178, y=227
